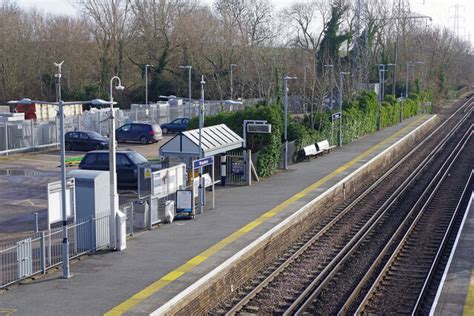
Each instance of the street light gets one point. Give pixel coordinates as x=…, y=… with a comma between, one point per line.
x=341, y=88
x=332, y=82
x=146, y=83
x=201, y=125
x=188, y=67
x=304, y=88
x=285, y=136
x=412, y=64
x=232, y=81
x=382, y=71
x=114, y=201
x=61, y=104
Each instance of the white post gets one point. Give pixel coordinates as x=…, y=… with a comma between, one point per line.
x=65, y=244
x=114, y=200
x=201, y=125
x=285, y=111
x=6, y=137
x=213, y=188
x=232, y=81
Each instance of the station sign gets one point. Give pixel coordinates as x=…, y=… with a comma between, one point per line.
x=259, y=128
x=203, y=162
x=336, y=116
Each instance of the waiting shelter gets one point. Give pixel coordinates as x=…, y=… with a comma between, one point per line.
x=216, y=141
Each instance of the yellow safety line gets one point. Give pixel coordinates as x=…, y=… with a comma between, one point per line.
x=178, y=272
x=469, y=303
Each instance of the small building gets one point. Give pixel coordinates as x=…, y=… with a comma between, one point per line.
x=216, y=141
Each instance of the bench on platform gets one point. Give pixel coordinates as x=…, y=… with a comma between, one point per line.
x=310, y=151
x=324, y=146
x=317, y=149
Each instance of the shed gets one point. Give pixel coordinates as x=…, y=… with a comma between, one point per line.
x=216, y=139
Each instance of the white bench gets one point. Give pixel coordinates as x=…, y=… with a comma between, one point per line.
x=324, y=146
x=311, y=151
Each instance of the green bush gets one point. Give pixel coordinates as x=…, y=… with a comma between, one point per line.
x=359, y=118
x=267, y=145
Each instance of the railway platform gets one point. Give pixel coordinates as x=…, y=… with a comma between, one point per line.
x=455, y=295
x=159, y=264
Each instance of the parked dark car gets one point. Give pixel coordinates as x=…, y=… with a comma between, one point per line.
x=176, y=126
x=83, y=140
x=127, y=162
x=139, y=132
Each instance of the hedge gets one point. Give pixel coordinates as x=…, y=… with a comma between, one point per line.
x=359, y=118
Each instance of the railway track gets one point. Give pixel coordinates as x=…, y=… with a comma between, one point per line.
x=301, y=274
x=406, y=275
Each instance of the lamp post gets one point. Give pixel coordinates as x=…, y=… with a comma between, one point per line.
x=410, y=64
x=285, y=136
x=201, y=125
x=332, y=82
x=232, y=81
x=341, y=88
x=146, y=83
x=114, y=201
x=382, y=71
x=61, y=104
x=189, y=68
x=65, y=244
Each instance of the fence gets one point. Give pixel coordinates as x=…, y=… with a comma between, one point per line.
x=43, y=250
x=16, y=136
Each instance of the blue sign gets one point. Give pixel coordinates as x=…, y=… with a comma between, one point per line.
x=336, y=116
x=203, y=162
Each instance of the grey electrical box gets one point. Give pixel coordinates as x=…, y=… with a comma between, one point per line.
x=93, y=202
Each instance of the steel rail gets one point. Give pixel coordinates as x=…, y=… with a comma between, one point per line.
x=440, y=251
x=238, y=306
x=449, y=162
x=314, y=289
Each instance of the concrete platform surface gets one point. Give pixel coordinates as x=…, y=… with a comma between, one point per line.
x=456, y=293
x=160, y=263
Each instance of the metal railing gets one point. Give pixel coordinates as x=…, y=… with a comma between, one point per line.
x=43, y=250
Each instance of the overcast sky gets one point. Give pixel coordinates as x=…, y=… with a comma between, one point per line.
x=441, y=11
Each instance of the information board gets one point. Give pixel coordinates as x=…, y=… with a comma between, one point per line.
x=184, y=201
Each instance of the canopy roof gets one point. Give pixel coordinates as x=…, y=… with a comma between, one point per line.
x=215, y=140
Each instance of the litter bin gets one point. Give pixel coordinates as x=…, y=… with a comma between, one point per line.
x=169, y=211
x=121, y=229
x=141, y=210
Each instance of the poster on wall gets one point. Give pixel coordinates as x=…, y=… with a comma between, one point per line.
x=172, y=184
x=159, y=187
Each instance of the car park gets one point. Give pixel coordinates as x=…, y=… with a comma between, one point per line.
x=85, y=140
x=139, y=132
x=176, y=126
x=127, y=161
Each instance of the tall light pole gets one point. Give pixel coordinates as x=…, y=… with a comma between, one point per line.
x=285, y=135
x=60, y=103
x=189, y=68
x=146, y=83
x=65, y=244
x=410, y=64
x=114, y=201
x=201, y=125
x=232, y=81
x=332, y=82
x=382, y=71
x=379, y=112
x=341, y=88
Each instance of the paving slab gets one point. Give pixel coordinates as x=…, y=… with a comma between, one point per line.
x=110, y=281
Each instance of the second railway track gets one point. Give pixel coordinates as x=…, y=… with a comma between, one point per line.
x=311, y=265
